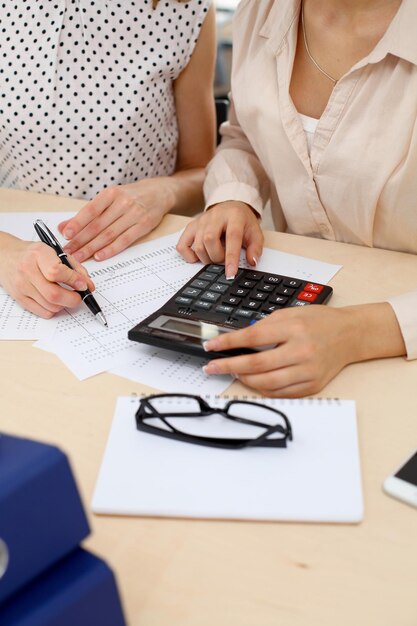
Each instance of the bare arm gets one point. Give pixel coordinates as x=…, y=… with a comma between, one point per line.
x=194, y=102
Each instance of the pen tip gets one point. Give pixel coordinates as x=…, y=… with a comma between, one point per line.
x=102, y=319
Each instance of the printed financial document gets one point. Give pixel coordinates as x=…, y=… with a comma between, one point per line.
x=129, y=287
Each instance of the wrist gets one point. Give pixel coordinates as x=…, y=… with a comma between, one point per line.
x=157, y=192
x=371, y=331
x=8, y=244
x=234, y=204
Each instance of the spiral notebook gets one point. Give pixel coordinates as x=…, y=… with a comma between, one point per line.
x=316, y=478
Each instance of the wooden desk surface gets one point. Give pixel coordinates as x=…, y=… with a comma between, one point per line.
x=212, y=573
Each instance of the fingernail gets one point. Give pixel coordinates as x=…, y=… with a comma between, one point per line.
x=67, y=249
x=99, y=256
x=68, y=233
x=211, y=368
x=210, y=345
x=80, y=285
x=78, y=256
x=230, y=273
x=255, y=261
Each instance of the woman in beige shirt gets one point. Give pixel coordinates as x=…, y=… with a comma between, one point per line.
x=323, y=125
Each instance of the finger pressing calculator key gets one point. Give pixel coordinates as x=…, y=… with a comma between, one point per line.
x=209, y=304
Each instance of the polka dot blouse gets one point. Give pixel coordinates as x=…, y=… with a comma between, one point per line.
x=86, y=98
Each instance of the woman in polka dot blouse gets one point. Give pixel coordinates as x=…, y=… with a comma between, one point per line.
x=107, y=101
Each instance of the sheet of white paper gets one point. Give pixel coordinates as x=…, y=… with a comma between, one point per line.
x=15, y=322
x=316, y=478
x=21, y=224
x=128, y=289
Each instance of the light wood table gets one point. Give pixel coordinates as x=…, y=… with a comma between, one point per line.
x=212, y=573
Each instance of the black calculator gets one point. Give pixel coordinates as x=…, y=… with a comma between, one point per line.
x=210, y=304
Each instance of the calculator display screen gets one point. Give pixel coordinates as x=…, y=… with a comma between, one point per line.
x=193, y=329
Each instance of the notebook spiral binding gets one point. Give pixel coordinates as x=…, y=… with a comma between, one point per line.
x=290, y=401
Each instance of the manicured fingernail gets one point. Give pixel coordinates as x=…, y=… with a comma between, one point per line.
x=210, y=345
x=67, y=249
x=80, y=285
x=230, y=274
x=78, y=256
x=68, y=233
x=99, y=256
x=255, y=261
x=211, y=368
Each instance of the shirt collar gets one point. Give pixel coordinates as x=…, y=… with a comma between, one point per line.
x=399, y=40
x=278, y=22
x=400, y=37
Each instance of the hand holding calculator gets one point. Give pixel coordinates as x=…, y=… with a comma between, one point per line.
x=210, y=304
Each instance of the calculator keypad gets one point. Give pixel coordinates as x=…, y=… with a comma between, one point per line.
x=249, y=297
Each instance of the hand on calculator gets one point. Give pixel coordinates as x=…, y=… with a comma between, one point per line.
x=312, y=344
x=219, y=234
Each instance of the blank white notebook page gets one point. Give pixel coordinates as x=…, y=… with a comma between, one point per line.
x=315, y=479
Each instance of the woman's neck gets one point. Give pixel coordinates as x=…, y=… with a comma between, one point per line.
x=354, y=9
x=355, y=18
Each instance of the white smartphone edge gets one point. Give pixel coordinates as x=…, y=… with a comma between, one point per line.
x=401, y=489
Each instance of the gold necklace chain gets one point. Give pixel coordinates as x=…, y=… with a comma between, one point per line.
x=334, y=80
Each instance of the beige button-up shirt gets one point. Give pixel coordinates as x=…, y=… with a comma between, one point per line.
x=359, y=184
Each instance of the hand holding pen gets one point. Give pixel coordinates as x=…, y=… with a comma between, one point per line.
x=32, y=273
x=47, y=237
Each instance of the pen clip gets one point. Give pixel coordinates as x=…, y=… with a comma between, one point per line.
x=46, y=235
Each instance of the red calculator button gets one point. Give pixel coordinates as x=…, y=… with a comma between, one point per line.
x=314, y=288
x=307, y=296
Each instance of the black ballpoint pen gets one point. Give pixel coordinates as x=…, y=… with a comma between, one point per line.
x=49, y=238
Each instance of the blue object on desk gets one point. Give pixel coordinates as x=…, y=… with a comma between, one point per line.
x=80, y=590
x=41, y=515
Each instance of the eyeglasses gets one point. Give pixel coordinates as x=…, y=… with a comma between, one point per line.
x=171, y=415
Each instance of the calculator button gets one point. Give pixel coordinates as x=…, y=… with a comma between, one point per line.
x=200, y=284
x=219, y=288
x=190, y=291
x=281, y=300
x=216, y=269
x=291, y=282
x=243, y=313
x=210, y=296
x=299, y=303
x=261, y=315
x=222, y=308
x=200, y=304
x=232, y=300
x=253, y=275
x=259, y=295
x=314, y=288
x=271, y=308
x=208, y=276
x=239, y=292
x=307, y=296
x=285, y=291
x=247, y=284
x=266, y=288
x=182, y=300
x=225, y=281
x=275, y=280
x=253, y=304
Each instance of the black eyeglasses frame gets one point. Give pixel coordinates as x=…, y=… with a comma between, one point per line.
x=147, y=411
